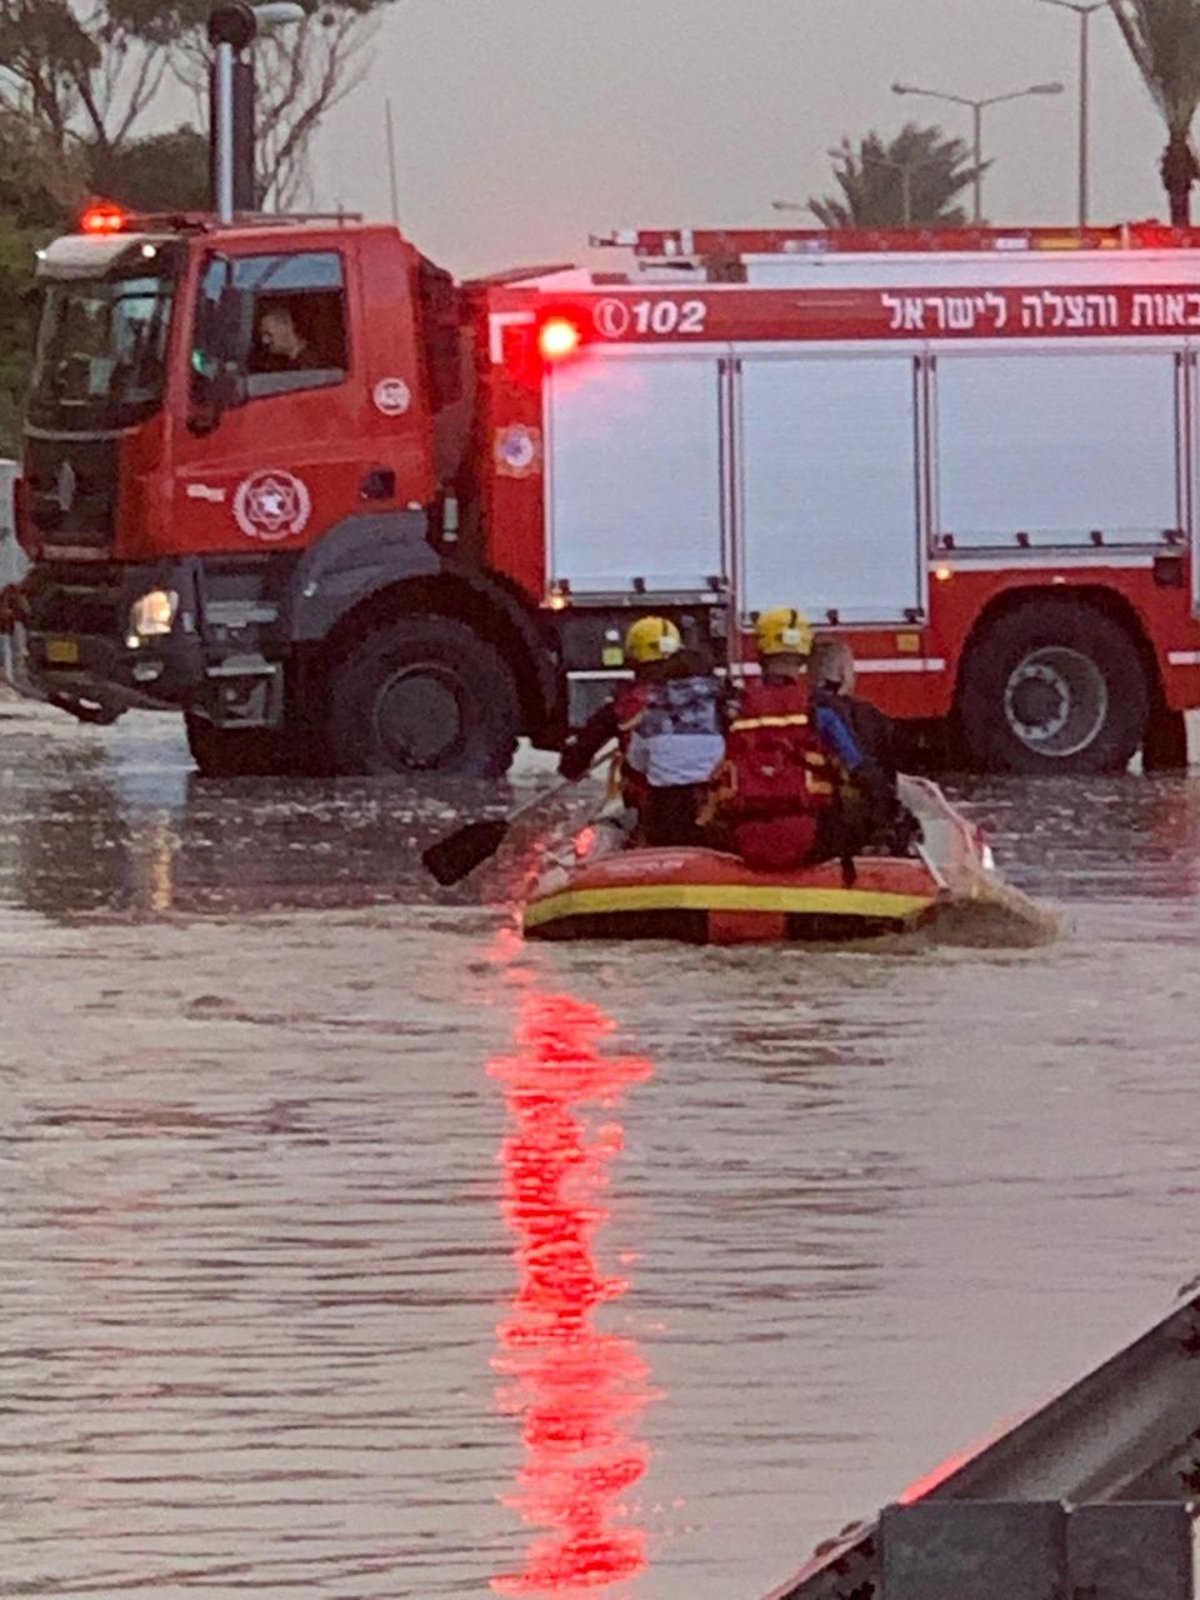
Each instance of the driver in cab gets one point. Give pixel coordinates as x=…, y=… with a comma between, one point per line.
x=279, y=345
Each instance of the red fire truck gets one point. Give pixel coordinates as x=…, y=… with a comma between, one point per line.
x=290, y=478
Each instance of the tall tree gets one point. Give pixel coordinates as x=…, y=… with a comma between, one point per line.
x=39, y=188
x=83, y=75
x=301, y=81
x=82, y=83
x=301, y=73
x=93, y=72
x=162, y=172
x=1164, y=39
x=40, y=185
x=912, y=181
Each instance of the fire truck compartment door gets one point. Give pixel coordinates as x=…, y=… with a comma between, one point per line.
x=1057, y=446
x=634, y=473
x=829, y=485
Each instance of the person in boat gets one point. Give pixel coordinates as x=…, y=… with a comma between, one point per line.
x=778, y=804
x=831, y=679
x=668, y=725
x=871, y=814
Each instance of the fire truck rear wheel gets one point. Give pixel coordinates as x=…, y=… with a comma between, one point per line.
x=424, y=694
x=1054, y=687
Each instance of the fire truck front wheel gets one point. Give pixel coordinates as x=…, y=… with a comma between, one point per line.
x=1054, y=687
x=423, y=694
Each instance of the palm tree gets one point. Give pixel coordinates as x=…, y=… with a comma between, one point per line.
x=913, y=181
x=1164, y=39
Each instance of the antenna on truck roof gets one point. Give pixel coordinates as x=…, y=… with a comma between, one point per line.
x=391, y=158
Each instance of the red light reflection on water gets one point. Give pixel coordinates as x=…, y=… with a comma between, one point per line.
x=577, y=1388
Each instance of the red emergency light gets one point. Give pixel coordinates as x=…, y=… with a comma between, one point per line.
x=1153, y=235
x=103, y=218
x=559, y=337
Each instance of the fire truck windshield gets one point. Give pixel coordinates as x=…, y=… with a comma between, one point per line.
x=101, y=352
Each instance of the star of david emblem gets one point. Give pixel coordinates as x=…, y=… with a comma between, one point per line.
x=272, y=505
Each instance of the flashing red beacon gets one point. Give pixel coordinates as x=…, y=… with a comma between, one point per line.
x=103, y=218
x=558, y=337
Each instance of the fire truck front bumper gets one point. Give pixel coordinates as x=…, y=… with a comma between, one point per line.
x=102, y=641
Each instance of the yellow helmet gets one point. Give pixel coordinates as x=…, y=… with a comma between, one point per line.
x=783, y=632
x=652, y=639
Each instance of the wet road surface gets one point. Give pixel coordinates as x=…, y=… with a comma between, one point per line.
x=352, y=1249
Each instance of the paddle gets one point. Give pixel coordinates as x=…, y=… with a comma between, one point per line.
x=457, y=856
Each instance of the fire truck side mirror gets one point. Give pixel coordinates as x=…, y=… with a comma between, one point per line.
x=220, y=344
x=213, y=394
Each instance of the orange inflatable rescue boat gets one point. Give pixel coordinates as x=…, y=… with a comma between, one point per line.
x=704, y=897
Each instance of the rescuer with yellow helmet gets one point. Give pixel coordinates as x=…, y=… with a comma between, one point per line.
x=784, y=638
x=668, y=726
x=777, y=780
x=786, y=759
x=652, y=639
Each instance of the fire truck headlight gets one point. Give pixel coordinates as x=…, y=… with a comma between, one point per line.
x=151, y=616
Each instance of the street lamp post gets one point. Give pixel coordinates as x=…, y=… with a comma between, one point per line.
x=978, y=107
x=231, y=30
x=1084, y=13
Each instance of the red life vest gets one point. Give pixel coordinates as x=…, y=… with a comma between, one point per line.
x=775, y=765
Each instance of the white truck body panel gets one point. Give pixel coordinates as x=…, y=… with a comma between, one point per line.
x=832, y=475
x=1056, y=443
x=827, y=471
x=634, y=473
x=835, y=473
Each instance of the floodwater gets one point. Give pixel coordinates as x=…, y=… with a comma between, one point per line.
x=350, y=1249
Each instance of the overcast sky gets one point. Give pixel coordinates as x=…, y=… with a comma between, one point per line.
x=521, y=125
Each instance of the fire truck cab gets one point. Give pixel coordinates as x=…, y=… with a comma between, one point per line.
x=239, y=450
x=291, y=479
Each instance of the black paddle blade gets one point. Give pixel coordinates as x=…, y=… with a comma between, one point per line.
x=456, y=856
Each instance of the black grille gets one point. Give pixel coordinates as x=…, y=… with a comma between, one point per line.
x=84, y=600
x=71, y=485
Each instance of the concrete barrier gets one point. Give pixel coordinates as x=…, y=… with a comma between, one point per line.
x=1033, y=1550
